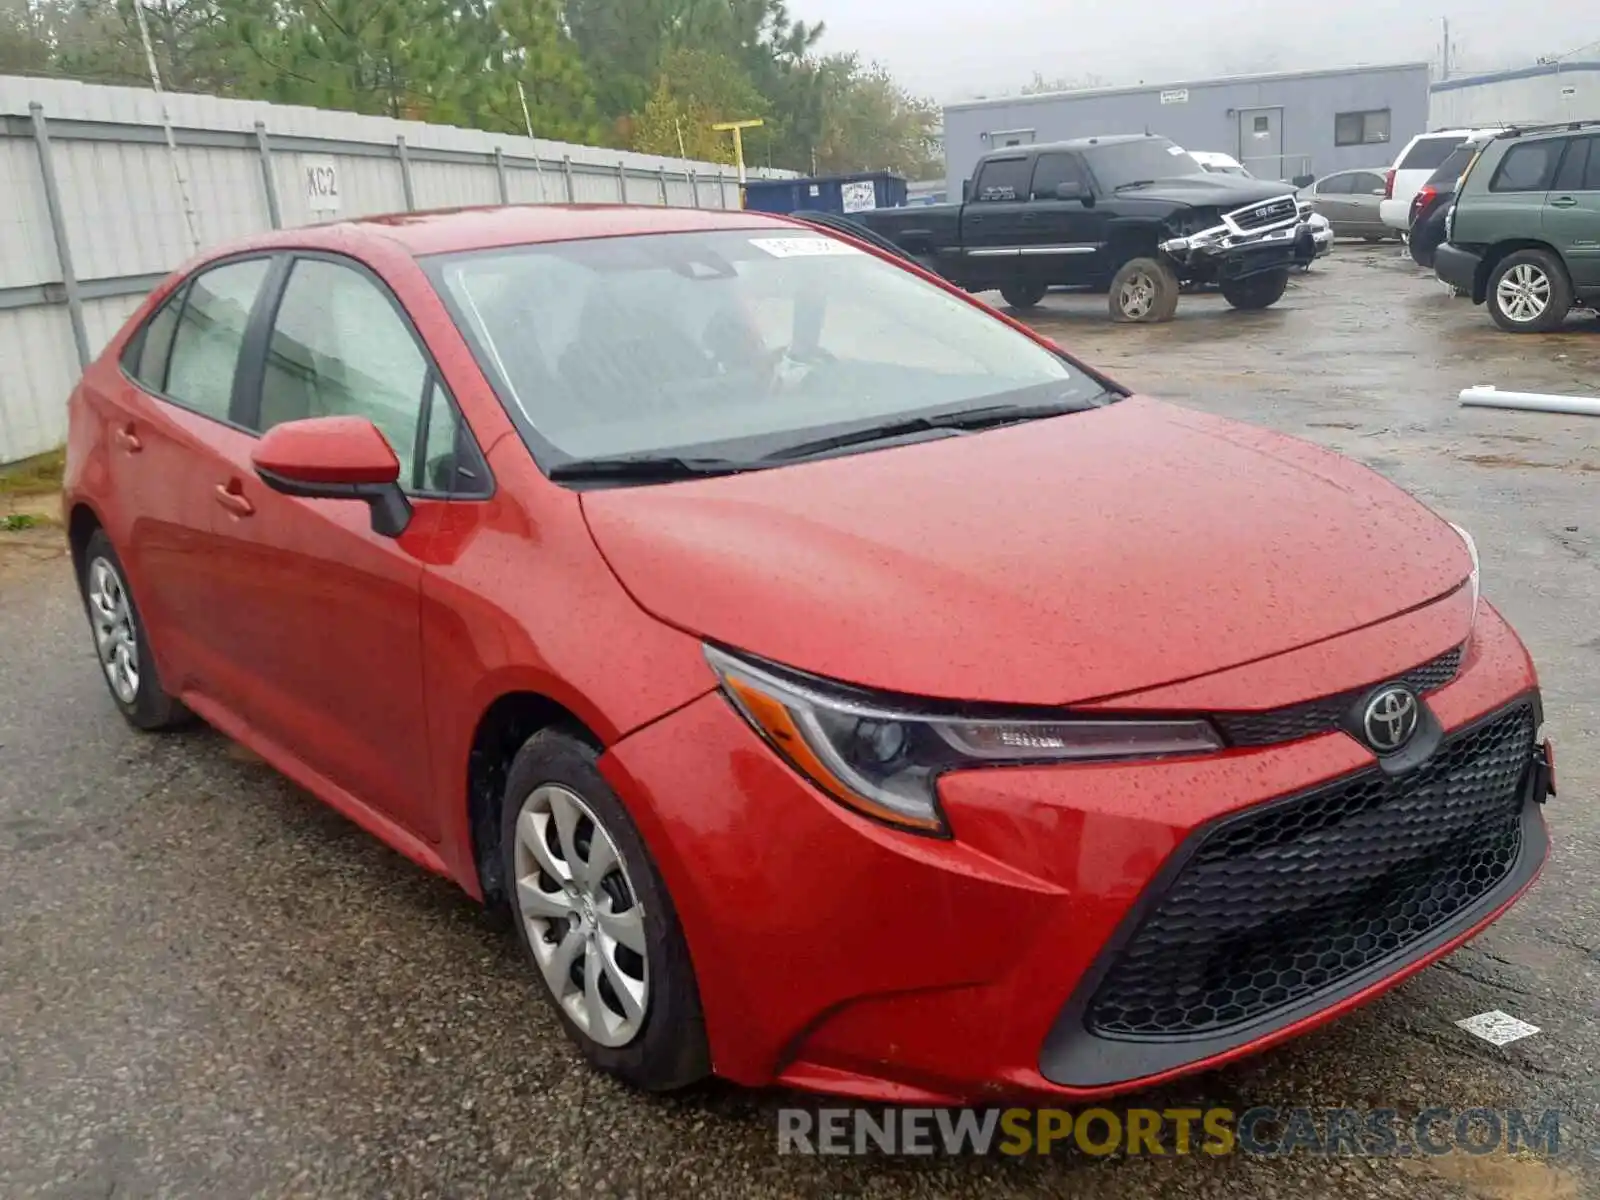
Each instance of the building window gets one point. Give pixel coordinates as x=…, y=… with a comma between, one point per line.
x=1361, y=128
x=1263, y=124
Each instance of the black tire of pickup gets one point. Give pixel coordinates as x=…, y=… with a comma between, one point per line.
x=1024, y=294
x=1256, y=291
x=1144, y=292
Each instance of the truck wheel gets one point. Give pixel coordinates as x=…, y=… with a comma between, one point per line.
x=1023, y=295
x=1258, y=291
x=1144, y=292
x=1529, y=292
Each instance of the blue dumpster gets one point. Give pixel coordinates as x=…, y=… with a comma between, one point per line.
x=843, y=194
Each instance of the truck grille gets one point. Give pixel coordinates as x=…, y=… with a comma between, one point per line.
x=1322, y=716
x=1269, y=214
x=1281, y=903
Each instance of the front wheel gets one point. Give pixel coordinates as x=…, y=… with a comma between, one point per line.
x=1023, y=294
x=1256, y=291
x=1144, y=291
x=595, y=918
x=1529, y=292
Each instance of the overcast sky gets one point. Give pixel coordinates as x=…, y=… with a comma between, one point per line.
x=956, y=49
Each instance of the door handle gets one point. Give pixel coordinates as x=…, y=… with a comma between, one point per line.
x=234, y=500
x=128, y=439
x=1563, y=202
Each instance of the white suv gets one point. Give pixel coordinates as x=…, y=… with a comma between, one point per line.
x=1423, y=155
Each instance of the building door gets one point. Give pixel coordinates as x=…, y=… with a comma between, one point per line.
x=1261, y=142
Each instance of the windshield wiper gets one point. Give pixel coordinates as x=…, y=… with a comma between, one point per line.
x=645, y=467
x=963, y=421
x=1137, y=183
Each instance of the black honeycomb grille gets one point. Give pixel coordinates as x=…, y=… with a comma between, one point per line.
x=1323, y=716
x=1278, y=905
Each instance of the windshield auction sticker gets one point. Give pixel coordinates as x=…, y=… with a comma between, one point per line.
x=802, y=247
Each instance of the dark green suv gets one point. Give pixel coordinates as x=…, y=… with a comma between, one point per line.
x=1524, y=233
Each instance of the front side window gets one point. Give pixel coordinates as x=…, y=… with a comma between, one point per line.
x=1365, y=184
x=733, y=342
x=1336, y=185
x=1052, y=171
x=339, y=348
x=1528, y=167
x=210, y=334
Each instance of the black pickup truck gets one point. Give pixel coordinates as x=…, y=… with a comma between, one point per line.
x=1131, y=215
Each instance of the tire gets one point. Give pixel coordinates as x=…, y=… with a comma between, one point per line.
x=1023, y=294
x=1257, y=291
x=1144, y=292
x=1529, y=278
x=122, y=646
x=662, y=1046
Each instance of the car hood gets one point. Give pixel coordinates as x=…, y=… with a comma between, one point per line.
x=1211, y=191
x=1053, y=562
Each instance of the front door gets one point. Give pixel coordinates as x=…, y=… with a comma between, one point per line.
x=1261, y=142
x=1572, y=212
x=1063, y=238
x=323, y=614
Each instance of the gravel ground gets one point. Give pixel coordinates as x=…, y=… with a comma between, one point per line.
x=212, y=986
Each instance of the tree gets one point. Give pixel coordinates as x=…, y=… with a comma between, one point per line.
x=869, y=123
x=528, y=43
x=24, y=41
x=695, y=90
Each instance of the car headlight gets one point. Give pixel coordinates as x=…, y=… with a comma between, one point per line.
x=883, y=757
x=1473, y=579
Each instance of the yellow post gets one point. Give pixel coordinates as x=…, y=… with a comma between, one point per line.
x=737, y=128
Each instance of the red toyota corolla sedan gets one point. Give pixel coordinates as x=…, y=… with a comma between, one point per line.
x=843, y=687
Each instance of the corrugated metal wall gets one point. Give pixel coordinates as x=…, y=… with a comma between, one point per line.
x=124, y=226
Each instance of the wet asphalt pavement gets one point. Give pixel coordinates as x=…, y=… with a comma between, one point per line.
x=212, y=986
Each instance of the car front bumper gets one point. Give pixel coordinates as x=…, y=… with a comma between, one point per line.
x=1458, y=267
x=1219, y=254
x=839, y=955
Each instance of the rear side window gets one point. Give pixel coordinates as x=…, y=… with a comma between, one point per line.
x=1528, y=167
x=145, y=358
x=1450, y=170
x=1579, y=171
x=1004, y=179
x=1428, y=154
x=209, y=334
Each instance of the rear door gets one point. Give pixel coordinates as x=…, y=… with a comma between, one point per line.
x=1333, y=200
x=176, y=405
x=322, y=614
x=1366, y=193
x=1062, y=239
x=1572, y=211
x=993, y=224
x=1515, y=204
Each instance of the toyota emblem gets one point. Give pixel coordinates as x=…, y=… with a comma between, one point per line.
x=1391, y=718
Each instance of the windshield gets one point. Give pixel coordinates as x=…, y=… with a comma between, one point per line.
x=735, y=343
x=1118, y=163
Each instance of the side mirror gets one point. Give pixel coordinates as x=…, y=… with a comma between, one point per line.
x=335, y=458
x=1379, y=192
x=1069, y=191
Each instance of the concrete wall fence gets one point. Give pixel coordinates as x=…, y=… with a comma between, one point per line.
x=92, y=217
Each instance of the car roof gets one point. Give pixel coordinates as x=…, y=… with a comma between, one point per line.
x=1083, y=143
x=447, y=231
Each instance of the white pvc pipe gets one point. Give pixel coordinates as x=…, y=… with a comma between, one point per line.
x=1487, y=396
